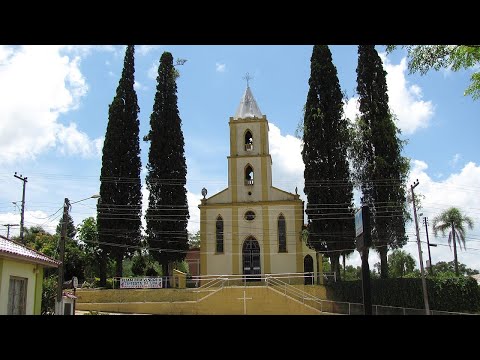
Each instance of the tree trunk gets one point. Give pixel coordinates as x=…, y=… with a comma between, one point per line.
x=119, y=265
x=382, y=251
x=344, y=266
x=102, y=267
x=165, y=274
x=455, y=250
x=335, y=260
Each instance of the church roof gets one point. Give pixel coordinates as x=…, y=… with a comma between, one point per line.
x=248, y=106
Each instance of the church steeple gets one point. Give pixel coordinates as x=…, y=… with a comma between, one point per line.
x=248, y=106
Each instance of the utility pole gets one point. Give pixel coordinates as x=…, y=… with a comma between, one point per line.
x=8, y=229
x=425, y=221
x=363, y=240
x=63, y=235
x=66, y=207
x=455, y=249
x=24, y=179
x=424, y=282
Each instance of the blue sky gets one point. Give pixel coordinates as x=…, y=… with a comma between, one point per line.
x=54, y=113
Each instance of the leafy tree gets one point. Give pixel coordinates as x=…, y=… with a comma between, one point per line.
x=74, y=260
x=452, y=219
x=139, y=264
x=96, y=260
x=120, y=207
x=71, y=230
x=447, y=269
x=40, y=240
x=167, y=213
x=352, y=273
x=400, y=263
x=49, y=293
x=328, y=185
x=379, y=167
x=194, y=240
x=422, y=58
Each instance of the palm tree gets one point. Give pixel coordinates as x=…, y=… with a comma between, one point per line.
x=454, y=219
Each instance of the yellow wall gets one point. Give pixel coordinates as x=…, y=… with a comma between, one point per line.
x=179, y=279
x=20, y=269
x=227, y=301
x=131, y=295
x=38, y=291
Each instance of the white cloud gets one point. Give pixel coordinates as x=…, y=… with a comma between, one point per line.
x=138, y=86
x=458, y=190
x=193, y=202
x=220, y=67
x=351, y=108
x=145, y=49
x=37, y=84
x=153, y=70
x=287, y=167
x=85, y=50
x=72, y=141
x=32, y=218
x=405, y=100
x=454, y=161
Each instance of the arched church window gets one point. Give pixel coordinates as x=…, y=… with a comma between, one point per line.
x=282, y=235
x=219, y=234
x=248, y=141
x=249, y=175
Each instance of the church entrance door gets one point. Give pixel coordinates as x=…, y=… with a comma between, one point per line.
x=251, y=259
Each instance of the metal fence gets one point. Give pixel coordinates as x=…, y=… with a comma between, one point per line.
x=284, y=283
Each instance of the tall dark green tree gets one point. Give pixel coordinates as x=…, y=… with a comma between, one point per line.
x=71, y=230
x=167, y=215
x=328, y=185
x=120, y=205
x=380, y=168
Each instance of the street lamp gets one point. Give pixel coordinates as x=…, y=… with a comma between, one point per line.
x=66, y=207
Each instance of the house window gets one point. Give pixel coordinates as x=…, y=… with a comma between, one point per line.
x=219, y=234
x=249, y=175
x=282, y=236
x=248, y=141
x=249, y=215
x=17, y=296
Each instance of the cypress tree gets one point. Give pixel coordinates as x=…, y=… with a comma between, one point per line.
x=328, y=185
x=71, y=230
x=120, y=206
x=167, y=215
x=379, y=166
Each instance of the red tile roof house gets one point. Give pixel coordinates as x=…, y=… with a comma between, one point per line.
x=21, y=278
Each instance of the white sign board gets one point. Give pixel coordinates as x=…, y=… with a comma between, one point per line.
x=358, y=223
x=141, y=283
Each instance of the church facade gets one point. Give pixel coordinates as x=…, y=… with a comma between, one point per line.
x=252, y=227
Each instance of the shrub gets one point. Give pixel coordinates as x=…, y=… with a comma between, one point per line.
x=449, y=294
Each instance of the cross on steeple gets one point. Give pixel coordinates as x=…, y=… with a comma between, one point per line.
x=247, y=77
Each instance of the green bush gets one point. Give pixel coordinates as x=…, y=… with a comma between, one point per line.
x=450, y=294
x=49, y=294
x=108, y=285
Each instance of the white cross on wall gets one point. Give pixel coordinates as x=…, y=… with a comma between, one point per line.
x=244, y=302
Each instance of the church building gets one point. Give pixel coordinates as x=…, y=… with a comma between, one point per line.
x=252, y=227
